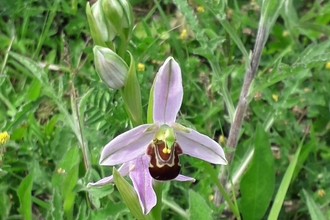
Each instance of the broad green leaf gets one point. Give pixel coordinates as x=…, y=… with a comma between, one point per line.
x=129, y=196
x=198, y=208
x=97, y=193
x=257, y=185
x=25, y=198
x=313, y=208
x=111, y=211
x=34, y=90
x=281, y=192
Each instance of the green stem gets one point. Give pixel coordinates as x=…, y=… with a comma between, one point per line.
x=123, y=45
x=156, y=212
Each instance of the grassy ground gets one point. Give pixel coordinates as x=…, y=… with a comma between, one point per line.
x=59, y=114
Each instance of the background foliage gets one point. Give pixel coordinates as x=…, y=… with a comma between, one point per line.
x=59, y=114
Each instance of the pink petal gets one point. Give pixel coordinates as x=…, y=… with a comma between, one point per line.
x=183, y=178
x=200, y=146
x=126, y=146
x=142, y=182
x=168, y=92
x=123, y=170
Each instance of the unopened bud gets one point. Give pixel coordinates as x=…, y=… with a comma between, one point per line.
x=119, y=15
x=112, y=68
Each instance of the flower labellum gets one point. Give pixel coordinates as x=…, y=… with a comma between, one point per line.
x=112, y=68
x=159, y=144
x=164, y=163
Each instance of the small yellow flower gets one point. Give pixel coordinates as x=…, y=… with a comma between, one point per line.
x=211, y=197
x=222, y=139
x=60, y=171
x=285, y=33
x=321, y=193
x=4, y=137
x=141, y=67
x=275, y=97
x=257, y=96
x=183, y=34
x=327, y=65
x=200, y=9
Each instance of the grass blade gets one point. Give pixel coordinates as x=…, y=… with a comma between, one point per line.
x=284, y=185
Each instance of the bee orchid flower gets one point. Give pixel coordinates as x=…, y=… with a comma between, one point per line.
x=151, y=151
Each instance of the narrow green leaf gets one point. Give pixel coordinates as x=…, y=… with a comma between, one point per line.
x=277, y=205
x=305, y=151
x=57, y=209
x=198, y=208
x=221, y=17
x=69, y=160
x=313, y=208
x=257, y=185
x=82, y=104
x=47, y=26
x=68, y=193
x=270, y=10
x=150, y=119
x=81, y=215
x=31, y=65
x=129, y=196
x=132, y=95
x=25, y=198
x=214, y=178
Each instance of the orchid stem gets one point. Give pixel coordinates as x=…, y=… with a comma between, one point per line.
x=156, y=212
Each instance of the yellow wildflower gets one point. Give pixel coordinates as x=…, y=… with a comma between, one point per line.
x=222, y=139
x=4, y=137
x=275, y=97
x=321, y=192
x=200, y=9
x=285, y=33
x=141, y=67
x=60, y=171
x=257, y=96
x=327, y=65
x=183, y=34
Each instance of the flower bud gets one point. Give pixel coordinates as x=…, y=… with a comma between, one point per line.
x=119, y=15
x=112, y=68
x=97, y=24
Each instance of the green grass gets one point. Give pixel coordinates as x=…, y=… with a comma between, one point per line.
x=59, y=114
